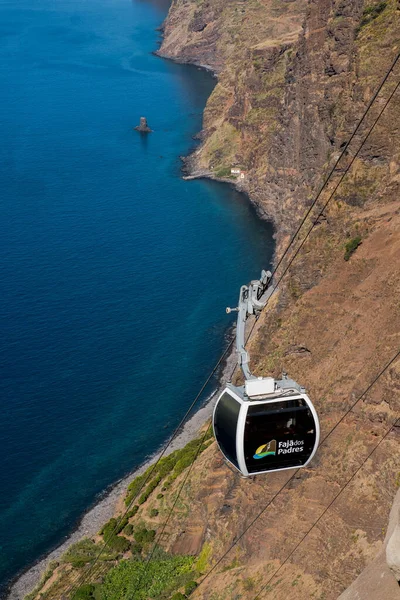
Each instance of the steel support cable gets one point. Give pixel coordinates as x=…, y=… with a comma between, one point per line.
x=327, y=179
x=255, y=519
x=393, y=425
x=187, y=474
x=85, y=575
x=336, y=187
x=328, y=200
x=275, y=287
x=184, y=481
x=330, y=196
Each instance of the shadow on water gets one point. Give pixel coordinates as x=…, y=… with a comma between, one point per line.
x=144, y=139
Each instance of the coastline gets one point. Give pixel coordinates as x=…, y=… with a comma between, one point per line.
x=106, y=507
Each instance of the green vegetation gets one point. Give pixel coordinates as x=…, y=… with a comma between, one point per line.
x=261, y=116
x=84, y=592
x=202, y=561
x=296, y=581
x=137, y=580
x=128, y=530
x=171, y=465
x=370, y=13
x=178, y=596
x=224, y=172
x=351, y=247
x=127, y=579
x=119, y=543
x=113, y=527
x=190, y=587
x=373, y=11
x=110, y=531
x=221, y=147
x=249, y=584
x=149, y=489
x=84, y=552
x=136, y=549
x=133, y=511
x=143, y=535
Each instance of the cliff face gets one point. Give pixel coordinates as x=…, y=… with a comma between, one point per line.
x=293, y=80
x=294, y=77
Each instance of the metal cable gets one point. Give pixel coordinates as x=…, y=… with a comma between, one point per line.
x=185, y=479
x=335, y=188
x=85, y=575
x=326, y=181
x=189, y=470
x=327, y=508
x=392, y=360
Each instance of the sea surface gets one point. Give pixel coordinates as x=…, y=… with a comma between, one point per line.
x=114, y=272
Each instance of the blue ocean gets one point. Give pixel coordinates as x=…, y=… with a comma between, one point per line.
x=115, y=272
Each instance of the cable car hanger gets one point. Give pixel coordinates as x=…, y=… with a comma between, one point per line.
x=267, y=424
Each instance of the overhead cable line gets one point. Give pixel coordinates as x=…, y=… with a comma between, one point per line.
x=189, y=470
x=327, y=179
x=280, y=279
x=336, y=187
x=87, y=574
x=327, y=508
x=275, y=285
x=181, y=488
x=262, y=511
x=237, y=540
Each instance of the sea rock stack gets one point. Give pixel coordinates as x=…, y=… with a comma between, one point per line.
x=143, y=127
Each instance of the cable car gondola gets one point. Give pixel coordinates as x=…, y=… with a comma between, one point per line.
x=267, y=424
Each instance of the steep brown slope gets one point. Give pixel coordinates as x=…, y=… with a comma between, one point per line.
x=286, y=101
x=377, y=581
x=350, y=326
x=292, y=79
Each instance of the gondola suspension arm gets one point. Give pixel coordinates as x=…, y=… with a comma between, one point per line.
x=252, y=299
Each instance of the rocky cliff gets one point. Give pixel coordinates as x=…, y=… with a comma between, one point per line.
x=294, y=77
x=293, y=80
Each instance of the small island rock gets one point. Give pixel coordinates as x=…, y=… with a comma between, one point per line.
x=143, y=127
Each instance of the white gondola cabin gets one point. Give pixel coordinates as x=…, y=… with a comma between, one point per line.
x=266, y=432
x=267, y=424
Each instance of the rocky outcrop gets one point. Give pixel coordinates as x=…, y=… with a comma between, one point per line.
x=293, y=77
x=143, y=126
x=393, y=539
x=377, y=582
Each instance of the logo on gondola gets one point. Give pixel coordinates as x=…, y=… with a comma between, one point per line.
x=266, y=450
